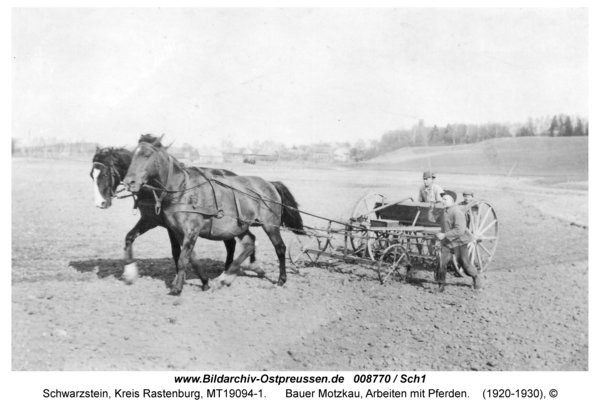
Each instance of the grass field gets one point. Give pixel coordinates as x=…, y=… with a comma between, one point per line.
x=558, y=159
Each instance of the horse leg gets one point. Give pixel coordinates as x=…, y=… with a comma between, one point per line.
x=199, y=271
x=175, y=247
x=255, y=264
x=230, y=247
x=247, y=241
x=275, y=237
x=186, y=251
x=131, y=269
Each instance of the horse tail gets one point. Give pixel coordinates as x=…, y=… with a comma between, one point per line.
x=290, y=216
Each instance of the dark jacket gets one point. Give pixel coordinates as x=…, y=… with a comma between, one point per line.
x=454, y=225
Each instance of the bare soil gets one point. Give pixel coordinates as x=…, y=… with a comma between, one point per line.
x=71, y=311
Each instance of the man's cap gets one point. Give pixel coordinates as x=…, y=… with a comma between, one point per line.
x=468, y=192
x=428, y=174
x=450, y=193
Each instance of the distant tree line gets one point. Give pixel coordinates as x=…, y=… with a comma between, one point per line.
x=558, y=125
x=52, y=148
x=462, y=133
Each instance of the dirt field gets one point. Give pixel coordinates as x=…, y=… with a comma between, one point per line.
x=70, y=310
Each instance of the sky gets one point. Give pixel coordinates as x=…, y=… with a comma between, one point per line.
x=293, y=76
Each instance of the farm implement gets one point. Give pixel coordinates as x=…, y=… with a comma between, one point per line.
x=395, y=237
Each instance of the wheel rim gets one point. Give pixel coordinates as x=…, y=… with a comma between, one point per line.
x=364, y=244
x=366, y=204
x=297, y=254
x=482, y=221
x=393, y=261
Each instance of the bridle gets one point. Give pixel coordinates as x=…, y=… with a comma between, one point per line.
x=114, y=176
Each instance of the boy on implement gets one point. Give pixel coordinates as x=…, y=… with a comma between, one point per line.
x=454, y=238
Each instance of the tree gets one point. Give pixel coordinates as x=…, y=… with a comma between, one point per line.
x=561, y=125
x=530, y=127
x=434, y=136
x=459, y=133
x=553, y=127
x=419, y=134
x=448, y=136
x=568, y=127
x=578, y=131
x=360, y=145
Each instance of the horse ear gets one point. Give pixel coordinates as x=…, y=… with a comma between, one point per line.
x=97, y=149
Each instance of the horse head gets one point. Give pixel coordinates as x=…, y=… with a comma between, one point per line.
x=147, y=163
x=105, y=176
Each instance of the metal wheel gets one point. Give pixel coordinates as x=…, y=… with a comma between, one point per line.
x=379, y=242
x=366, y=205
x=482, y=221
x=394, y=261
x=298, y=254
x=359, y=240
x=363, y=240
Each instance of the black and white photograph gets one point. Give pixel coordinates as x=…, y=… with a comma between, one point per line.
x=299, y=190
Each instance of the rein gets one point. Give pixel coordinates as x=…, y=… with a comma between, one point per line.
x=218, y=213
x=185, y=207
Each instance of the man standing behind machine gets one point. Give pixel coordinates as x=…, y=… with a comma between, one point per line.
x=454, y=238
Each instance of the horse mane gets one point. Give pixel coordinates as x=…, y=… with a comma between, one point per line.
x=151, y=139
x=119, y=157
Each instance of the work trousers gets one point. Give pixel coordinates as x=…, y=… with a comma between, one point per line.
x=462, y=257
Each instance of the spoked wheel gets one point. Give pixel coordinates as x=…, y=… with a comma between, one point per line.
x=300, y=250
x=393, y=262
x=362, y=242
x=482, y=221
x=379, y=242
x=362, y=210
x=359, y=240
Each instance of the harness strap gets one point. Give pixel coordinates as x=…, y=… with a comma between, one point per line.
x=220, y=212
x=237, y=208
x=163, y=194
x=191, y=208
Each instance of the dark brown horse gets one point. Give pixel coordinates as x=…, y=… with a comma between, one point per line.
x=196, y=204
x=109, y=168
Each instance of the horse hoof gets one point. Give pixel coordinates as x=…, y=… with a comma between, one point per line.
x=175, y=292
x=205, y=288
x=131, y=273
x=280, y=282
x=256, y=268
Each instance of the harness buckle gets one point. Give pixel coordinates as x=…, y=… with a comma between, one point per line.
x=157, y=207
x=220, y=214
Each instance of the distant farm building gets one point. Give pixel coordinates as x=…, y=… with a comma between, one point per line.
x=342, y=155
x=210, y=156
x=319, y=153
x=290, y=154
x=184, y=154
x=266, y=155
x=238, y=154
